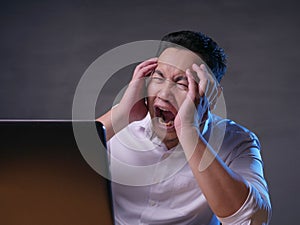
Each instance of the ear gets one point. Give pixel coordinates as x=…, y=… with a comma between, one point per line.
x=213, y=104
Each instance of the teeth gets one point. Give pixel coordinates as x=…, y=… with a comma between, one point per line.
x=163, y=109
x=169, y=124
x=161, y=120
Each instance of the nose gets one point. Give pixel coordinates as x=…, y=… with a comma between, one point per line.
x=165, y=92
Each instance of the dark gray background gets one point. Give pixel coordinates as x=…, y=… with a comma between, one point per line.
x=45, y=47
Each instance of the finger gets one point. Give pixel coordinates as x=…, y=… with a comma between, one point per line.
x=203, y=81
x=144, y=71
x=147, y=62
x=192, y=86
x=213, y=81
x=207, y=82
x=210, y=86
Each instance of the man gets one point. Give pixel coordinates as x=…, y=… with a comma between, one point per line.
x=198, y=176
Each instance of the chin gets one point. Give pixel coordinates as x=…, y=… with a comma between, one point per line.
x=165, y=133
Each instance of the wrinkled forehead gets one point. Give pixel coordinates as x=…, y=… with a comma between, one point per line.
x=180, y=58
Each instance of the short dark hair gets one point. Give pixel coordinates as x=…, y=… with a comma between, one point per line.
x=204, y=46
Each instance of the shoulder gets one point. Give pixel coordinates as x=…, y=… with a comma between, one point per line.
x=237, y=139
x=235, y=132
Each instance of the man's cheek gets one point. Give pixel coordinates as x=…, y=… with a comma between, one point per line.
x=151, y=92
x=151, y=89
x=180, y=99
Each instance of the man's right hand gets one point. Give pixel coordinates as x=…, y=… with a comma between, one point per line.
x=132, y=106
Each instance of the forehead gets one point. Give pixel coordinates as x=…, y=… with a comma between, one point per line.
x=181, y=59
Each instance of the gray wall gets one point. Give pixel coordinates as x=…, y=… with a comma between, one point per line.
x=45, y=47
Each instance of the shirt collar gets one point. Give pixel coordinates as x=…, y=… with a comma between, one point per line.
x=146, y=125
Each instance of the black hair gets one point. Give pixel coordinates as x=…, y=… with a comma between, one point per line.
x=204, y=46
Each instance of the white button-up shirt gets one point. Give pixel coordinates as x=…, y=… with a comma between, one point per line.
x=154, y=185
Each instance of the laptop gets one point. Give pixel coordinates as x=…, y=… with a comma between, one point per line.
x=44, y=178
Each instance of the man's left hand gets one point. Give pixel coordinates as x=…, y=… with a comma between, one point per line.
x=199, y=97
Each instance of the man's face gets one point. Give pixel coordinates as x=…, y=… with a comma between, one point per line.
x=167, y=90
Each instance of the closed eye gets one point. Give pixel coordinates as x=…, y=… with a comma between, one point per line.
x=182, y=81
x=157, y=75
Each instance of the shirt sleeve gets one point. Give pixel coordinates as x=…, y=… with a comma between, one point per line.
x=246, y=160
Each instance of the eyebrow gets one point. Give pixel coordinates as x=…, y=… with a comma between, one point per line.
x=181, y=77
x=159, y=72
x=177, y=78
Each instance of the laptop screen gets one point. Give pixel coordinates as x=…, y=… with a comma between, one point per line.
x=45, y=180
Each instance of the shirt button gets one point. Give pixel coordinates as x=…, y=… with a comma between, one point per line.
x=152, y=203
x=155, y=180
x=165, y=156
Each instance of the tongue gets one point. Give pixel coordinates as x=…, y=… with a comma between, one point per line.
x=167, y=116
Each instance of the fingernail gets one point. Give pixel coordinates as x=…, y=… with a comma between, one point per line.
x=194, y=65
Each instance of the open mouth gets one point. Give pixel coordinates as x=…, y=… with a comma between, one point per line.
x=165, y=116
